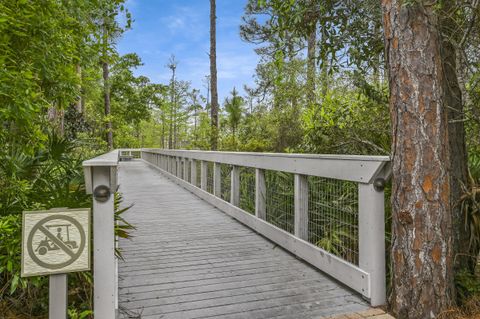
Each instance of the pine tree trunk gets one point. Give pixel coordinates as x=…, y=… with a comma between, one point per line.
x=175, y=129
x=422, y=239
x=106, y=99
x=311, y=57
x=172, y=107
x=234, y=142
x=213, y=76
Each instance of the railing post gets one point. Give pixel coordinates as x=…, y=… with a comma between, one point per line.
x=235, y=186
x=104, y=245
x=193, y=172
x=203, y=175
x=301, y=206
x=180, y=167
x=217, y=179
x=260, y=194
x=185, y=169
x=371, y=228
x=177, y=166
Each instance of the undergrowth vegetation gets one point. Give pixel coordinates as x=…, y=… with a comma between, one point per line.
x=50, y=176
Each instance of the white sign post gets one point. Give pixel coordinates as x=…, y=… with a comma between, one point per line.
x=54, y=243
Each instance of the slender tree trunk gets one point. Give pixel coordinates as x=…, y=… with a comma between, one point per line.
x=106, y=99
x=61, y=122
x=175, y=120
x=422, y=239
x=311, y=58
x=78, y=104
x=324, y=65
x=163, y=132
x=172, y=107
x=195, y=129
x=456, y=132
x=213, y=76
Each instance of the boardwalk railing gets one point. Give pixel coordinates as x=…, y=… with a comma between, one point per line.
x=326, y=209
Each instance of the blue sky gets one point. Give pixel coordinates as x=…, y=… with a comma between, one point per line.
x=181, y=27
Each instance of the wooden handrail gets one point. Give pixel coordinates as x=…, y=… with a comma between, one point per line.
x=355, y=168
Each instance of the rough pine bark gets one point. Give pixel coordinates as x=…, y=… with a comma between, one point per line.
x=106, y=100
x=213, y=76
x=422, y=239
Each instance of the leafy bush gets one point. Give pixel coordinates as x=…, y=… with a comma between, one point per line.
x=50, y=176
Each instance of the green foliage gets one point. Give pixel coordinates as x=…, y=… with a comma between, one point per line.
x=122, y=227
x=234, y=108
x=50, y=177
x=468, y=284
x=21, y=293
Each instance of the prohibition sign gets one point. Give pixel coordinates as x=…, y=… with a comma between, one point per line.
x=40, y=226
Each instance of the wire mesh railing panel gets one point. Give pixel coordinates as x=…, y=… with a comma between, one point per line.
x=226, y=181
x=280, y=199
x=247, y=189
x=210, y=177
x=333, y=216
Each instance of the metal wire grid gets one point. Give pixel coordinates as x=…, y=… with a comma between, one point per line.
x=210, y=177
x=333, y=216
x=247, y=189
x=280, y=199
x=226, y=178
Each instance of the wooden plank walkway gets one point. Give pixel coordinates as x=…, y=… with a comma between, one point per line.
x=190, y=260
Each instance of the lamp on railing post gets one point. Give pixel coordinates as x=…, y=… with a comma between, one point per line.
x=371, y=237
x=101, y=182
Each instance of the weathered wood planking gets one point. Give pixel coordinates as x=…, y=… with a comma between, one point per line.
x=190, y=260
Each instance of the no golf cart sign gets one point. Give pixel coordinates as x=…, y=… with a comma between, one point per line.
x=55, y=241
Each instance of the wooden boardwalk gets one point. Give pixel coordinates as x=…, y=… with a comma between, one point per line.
x=190, y=260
